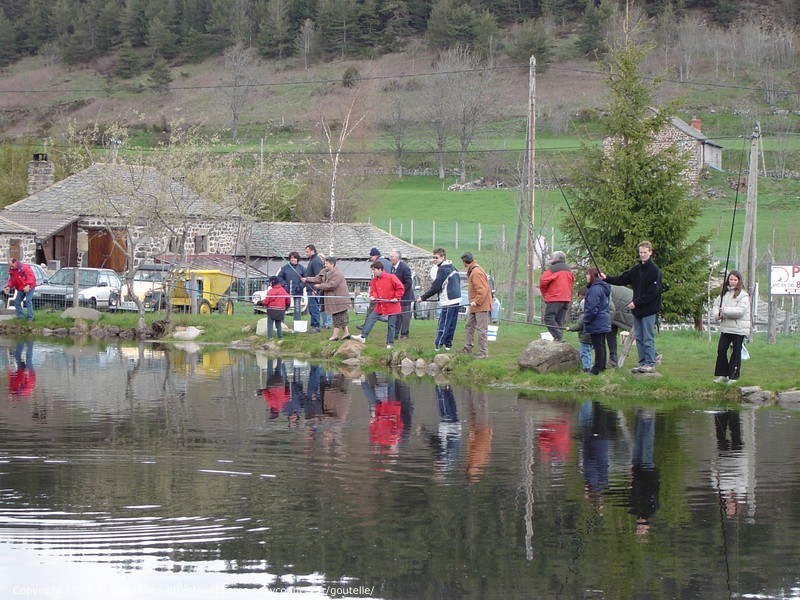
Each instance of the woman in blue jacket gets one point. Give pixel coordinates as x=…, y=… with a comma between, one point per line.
x=596, y=317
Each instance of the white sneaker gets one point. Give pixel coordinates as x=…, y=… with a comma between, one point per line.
x=358, y=338
x=647, y=369
x=720, y=379
x=388, y=346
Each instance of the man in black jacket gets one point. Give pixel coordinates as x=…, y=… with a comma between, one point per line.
x=645, y=281
x=403, y=273
x=313, y=268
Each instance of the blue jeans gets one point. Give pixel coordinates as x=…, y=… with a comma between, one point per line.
x=586, y=355
x=373, y=317
x=645, y=343
x=448, y=319
x=313, y=310
x=27, y=297
x=297, y=307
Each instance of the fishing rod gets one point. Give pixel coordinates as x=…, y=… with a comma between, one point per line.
x=574, y=218
x=733, y=222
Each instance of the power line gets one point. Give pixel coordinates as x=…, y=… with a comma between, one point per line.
x=274, y=84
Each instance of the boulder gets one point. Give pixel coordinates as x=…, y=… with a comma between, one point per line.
x=407, y=364
x=441, y=360
x=187, y=334
x=544, y=356
x=420, y=364
x=350, y=349
x=261, y=327
x=790, y=399
x=82, y=312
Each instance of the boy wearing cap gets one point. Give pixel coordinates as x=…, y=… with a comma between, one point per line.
x=277, y=301
x=479, y=293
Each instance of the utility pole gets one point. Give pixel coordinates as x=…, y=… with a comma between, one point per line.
x=531, y=182
x=747, y=260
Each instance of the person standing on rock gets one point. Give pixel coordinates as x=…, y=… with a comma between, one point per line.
x=21, y=279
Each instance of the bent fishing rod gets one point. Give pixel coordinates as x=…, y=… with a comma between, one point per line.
x=733, y=223
x=572, y=214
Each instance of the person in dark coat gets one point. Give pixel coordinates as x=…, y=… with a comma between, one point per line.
x=645, y=281
x=403, y=272
x=313, y=268
x=596, y=318
x=289, y=277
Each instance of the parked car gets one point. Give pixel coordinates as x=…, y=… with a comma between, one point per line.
x=148, y=279
x=38, y=272
x=96, y=288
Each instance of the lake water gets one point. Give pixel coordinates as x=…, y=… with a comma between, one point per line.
x=151, y=473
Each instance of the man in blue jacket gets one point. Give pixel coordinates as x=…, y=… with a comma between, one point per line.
x=313, y=268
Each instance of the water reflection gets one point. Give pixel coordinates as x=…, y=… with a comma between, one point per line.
x=214, y=474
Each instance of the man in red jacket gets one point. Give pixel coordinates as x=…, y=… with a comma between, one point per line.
x=385, y=290
x=22, y=279
x=556, y=287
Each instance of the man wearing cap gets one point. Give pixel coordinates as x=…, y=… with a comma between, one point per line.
x=556, y=287
x=479, y=293
x=403, y=272
x=22, y=279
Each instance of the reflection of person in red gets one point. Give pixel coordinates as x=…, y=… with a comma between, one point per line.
x=479, y=440
x=386, y=425
x=22, y=379
x=554, y=440
x=276, y=394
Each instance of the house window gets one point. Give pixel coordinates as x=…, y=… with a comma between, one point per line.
x=173, y=244
x=200, y=244
x=15, y=248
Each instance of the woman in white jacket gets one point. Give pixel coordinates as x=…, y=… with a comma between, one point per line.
x=733, y=311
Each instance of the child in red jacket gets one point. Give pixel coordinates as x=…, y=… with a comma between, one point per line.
x=276, y=301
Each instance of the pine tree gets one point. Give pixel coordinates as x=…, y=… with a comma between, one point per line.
x=128, y=63
x=160, y=76
x=632, y=189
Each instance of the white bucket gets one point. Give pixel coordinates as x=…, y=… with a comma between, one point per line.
x=300, y=326
x=546, y=336
x=492, y=333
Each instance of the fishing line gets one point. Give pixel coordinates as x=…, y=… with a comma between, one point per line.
x=578, y=225
x=733, y=222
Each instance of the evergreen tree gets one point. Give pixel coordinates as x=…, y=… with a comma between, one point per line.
x=7, y=40
x=160, y=40
x=160, y=76
x=530, y=39
x=632, y=189
x=594, y=32
x=452, y=25
x=275, y=39
x=396, y=24
x=128, y=64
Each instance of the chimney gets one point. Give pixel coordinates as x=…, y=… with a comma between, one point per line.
x=41, y=173
x=696, y=123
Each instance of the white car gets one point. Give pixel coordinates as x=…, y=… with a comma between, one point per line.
x=97, y=288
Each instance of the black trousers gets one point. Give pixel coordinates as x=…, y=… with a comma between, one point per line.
x=599, y=345
x=729, y=367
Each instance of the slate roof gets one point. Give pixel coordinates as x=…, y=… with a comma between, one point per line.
x=351, y=240
x=683, y=126
x=43, y=225
x=78, y=194
x=12, y=227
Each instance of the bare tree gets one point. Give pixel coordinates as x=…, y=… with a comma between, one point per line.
x=241, y=67
x=335, y=142
x=461, y=99
x=397, y=130
x=306, y=41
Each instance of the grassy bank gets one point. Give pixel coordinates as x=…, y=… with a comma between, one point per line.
x=687, y=365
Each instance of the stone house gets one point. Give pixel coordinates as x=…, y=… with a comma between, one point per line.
x=114, y=210
x=700, y=151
